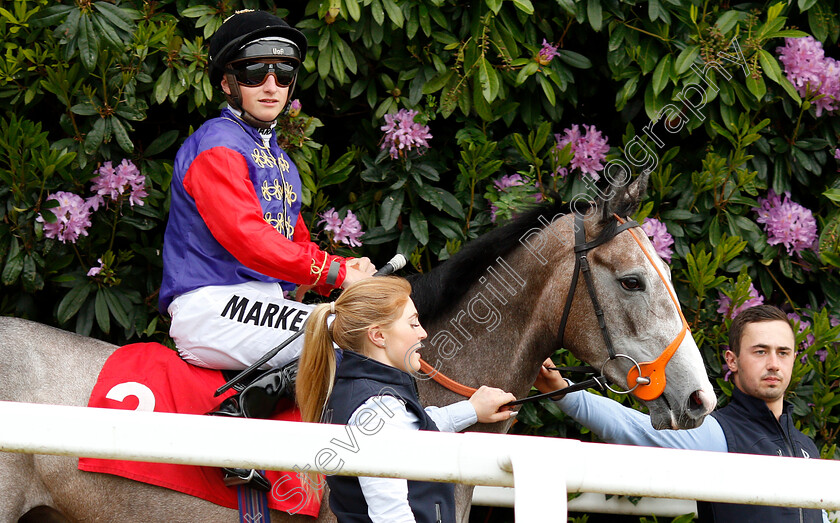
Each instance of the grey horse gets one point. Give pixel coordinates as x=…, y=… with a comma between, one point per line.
x=492, y=313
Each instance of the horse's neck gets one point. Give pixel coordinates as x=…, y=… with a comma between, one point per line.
x=494, y=336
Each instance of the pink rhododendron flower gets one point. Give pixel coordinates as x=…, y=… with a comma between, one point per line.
x=402, y=133
x=96, y=270
x=547, y=53
x=589, y=149
x=350, y=231
x=113, y=182
x=332, y=220
x=659, y=237
x=508, y=181
x=811, y=72
x=347, y=231
x=725, y=303
x=786, y=222
x=493, y=210
x=72, y=217
x=294, y=108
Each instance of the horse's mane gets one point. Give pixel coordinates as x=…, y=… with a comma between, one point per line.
x=435, y=292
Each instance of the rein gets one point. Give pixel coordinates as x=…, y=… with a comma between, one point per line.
x=648, y=378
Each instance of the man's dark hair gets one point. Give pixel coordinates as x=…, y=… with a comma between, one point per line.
x=757, y=314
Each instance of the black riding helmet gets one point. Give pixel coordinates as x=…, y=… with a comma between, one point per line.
x=240, y=38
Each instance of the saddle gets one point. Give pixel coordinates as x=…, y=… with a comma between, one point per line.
x=152, y=377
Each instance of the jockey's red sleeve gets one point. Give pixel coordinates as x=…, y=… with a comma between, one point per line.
x=218, y=181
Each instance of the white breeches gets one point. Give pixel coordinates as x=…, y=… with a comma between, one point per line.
x=232, y=326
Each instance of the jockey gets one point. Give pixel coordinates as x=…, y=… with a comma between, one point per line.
x=236, y=243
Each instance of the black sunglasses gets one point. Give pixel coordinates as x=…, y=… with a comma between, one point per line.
x=254, y=74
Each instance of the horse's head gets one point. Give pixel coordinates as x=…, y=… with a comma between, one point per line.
x=642, y=318
x=493, y=311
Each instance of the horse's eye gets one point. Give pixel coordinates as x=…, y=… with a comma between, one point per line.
x=632, y=283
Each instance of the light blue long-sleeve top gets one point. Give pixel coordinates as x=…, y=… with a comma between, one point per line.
x=615, y=423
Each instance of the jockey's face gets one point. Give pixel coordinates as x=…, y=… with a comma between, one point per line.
x=398, y=344
x=265, y=101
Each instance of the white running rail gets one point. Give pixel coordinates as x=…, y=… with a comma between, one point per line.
x=543, y=469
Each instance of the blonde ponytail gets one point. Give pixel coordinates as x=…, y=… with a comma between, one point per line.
x=316, y=369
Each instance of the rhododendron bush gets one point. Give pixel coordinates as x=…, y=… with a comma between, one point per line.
x=419, y=125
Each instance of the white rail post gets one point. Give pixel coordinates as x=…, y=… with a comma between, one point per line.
x=539, y=496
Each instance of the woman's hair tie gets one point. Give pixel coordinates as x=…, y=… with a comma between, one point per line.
x=332, y=307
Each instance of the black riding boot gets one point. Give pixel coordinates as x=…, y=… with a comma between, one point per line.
x=257, y=400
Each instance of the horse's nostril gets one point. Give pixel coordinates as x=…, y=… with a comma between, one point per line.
x=696, y=409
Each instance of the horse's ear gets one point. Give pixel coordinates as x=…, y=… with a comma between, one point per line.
x=627, y=201
x=636, y=190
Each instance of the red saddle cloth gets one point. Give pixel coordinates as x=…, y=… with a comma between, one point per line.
x=149, y=376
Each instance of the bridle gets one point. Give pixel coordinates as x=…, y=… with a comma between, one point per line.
x=647, y=378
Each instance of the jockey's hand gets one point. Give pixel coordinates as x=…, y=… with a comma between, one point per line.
x=487, y=402
x=549, y=380
x=358, y=269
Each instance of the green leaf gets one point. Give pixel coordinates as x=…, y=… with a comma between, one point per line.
x=88, y=42
x=130, y=112
x=378, y=236
x=529, y=69
x=103, y=318
x=394, y=12
x=774, y=72
x=51, y=15
x=84, y=109
x=677, y=214
x=116, y=16
x=727, y=21
x=389, y=211
x=116, y=307
x=95, y=137
x=353, y=9
x=574, y=59
x=162, y=86
x=662, y=74
x=377, y=12
x=686, y=58
x=112, y=39
x=419, y=226
x=489, y=81
x=594, y=14
x=548, y=90
x=14, y=263
x=407, y=243
x=324, y=61
x=161, y=143
x=122, y=135
x=756, y=87
x=525, y=6
x=494, y=5
x=72, y=301
x=197, y=11
x=438, y=82
x=833, y=195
